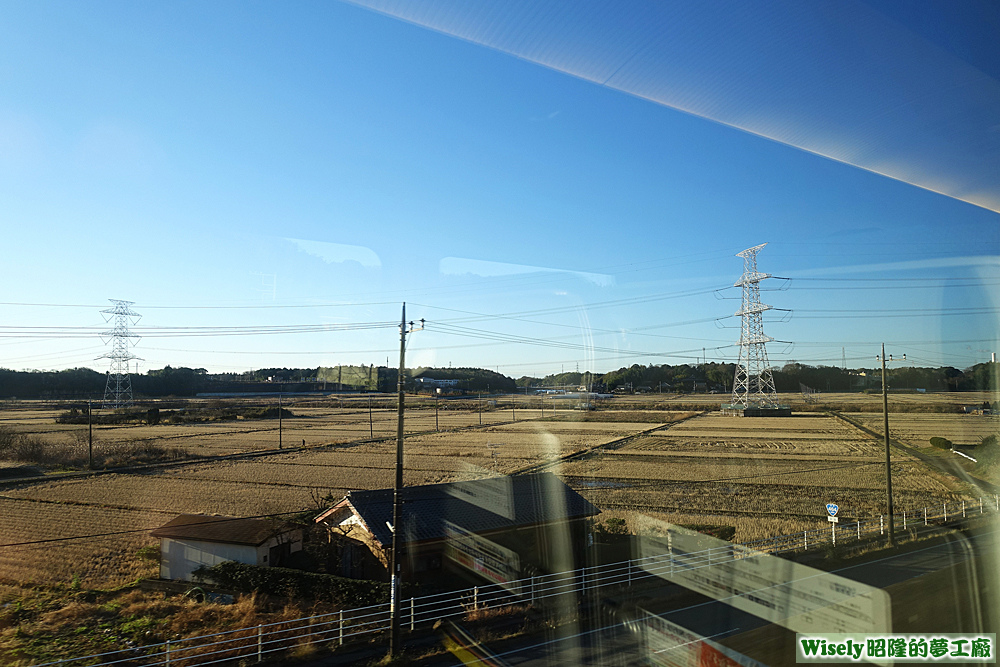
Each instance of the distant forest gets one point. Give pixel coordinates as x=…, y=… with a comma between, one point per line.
x=792, y=377
x=83, y=382
x=78, y=383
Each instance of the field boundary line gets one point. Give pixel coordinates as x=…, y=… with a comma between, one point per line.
x=613, y=444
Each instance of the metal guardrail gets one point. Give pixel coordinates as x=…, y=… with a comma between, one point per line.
x=335, y=629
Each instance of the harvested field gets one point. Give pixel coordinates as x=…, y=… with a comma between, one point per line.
x=278, y=483
x=95, y=562
x=764, y=476
x=170, y=492
x=714, y=434
x=648, y=472
x=780, y=469
x=619, y=415
x=917, y=429
x=333, y=421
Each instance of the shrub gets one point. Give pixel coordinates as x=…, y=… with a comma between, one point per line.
x=24, y=448
x=16, y=446
x=281, y=581
x=987, y=454
x=941, y=443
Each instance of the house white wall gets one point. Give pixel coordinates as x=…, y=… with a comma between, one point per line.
x=180, y=558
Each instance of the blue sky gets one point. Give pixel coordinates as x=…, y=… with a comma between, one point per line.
x=267, y=165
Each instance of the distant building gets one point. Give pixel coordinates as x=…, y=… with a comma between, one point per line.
x=432, y=383
x=192, y=540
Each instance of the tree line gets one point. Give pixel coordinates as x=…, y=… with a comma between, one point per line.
x=792, y=377
x=79, y=383
x=83, y=383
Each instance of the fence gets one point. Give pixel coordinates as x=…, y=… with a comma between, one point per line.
x=337, y=628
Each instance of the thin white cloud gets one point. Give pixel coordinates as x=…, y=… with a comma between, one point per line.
x=912, y=265
x=456, y=266
x=333, y=253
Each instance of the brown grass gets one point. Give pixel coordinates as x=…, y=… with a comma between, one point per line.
x=104, y=561
x=53, y=624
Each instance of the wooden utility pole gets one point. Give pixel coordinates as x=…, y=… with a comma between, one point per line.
x=888, y=462
x=279, y=421
x=371, y=425
x=90, y=434
x=395, y=562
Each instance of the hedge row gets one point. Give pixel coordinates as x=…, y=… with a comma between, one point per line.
x=941, y=443
x=282, y=581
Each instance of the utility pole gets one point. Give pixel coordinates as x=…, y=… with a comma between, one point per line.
x=436, y=428
x=885, y=427
x=371, y=425
x=480, y=401
x=90, y=434
x=395, y=562
x=279, y=421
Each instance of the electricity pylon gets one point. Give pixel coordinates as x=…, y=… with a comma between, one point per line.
x=753, y=385
x=118, y=390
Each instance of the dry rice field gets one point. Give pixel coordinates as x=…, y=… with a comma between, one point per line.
x=917, y=429
x=104, y=561
x=764, y=476
x=339, y=421
x=280, y=482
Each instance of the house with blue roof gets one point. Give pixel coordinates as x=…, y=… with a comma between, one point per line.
x=497, y=529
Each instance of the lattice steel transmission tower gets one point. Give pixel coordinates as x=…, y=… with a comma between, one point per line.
x=753, y=386
x=118, y=390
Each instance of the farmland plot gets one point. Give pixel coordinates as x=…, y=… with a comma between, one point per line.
x=646, y=470
x=917, y=429
x=283, y=482
x=803, y=436
x=781, y=469
x=324, y=469
x=104, y=561
x=171, y=492
x=509, y=447
x=329, y=423
x=764, y=476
